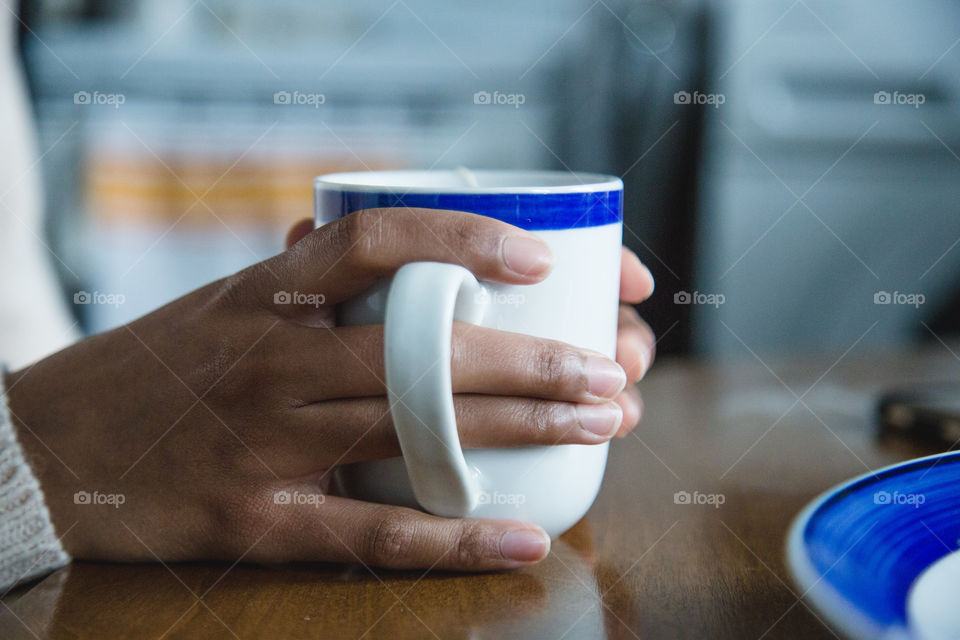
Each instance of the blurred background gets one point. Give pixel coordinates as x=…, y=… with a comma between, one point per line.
x=792, y=168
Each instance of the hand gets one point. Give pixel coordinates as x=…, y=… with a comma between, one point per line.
x=636, y=343
x=208, y=429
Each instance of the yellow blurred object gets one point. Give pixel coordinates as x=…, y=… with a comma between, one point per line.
x=128, y=187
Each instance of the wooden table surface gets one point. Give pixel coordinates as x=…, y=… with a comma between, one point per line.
x=638, y=566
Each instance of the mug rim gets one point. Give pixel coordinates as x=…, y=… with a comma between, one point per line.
x=404, y=180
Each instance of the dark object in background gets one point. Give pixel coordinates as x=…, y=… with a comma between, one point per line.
x=626, y=94
x=930, y=413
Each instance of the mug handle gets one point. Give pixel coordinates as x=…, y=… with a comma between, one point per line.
x=424, y=300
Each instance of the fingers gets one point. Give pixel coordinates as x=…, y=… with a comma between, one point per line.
x=344, y=257
x=298, y=232
x=636, y=281
x=346, y=431
x=483, y=360
x=631, y=403
x=636, y=344
x=337, y=529
x=636, y=348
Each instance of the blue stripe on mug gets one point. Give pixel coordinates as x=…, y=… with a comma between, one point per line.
x=530, y=211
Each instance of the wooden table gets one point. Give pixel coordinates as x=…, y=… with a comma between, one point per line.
x=639, y=565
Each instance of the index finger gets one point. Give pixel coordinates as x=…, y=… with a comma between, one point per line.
x=344, y=257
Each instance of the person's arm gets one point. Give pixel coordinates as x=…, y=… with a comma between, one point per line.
x=196, y=414
x=187, y=422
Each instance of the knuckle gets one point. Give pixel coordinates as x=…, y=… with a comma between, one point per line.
x=468, y=233
x=543, y=418
x=473, y=545
x=236, y=376
x=233, y=291
x=555, y=366
x=212, y=373
x=236, y=522
x=362, y=234
x=392, y=538
x=466, y=229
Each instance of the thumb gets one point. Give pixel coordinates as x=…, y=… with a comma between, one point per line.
x=344, y=530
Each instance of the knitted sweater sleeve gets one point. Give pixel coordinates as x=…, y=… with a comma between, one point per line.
x=28, y=545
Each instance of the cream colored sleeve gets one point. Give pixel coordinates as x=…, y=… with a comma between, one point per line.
x=29, y=547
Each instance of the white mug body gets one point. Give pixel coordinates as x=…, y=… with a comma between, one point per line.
x=577, y=304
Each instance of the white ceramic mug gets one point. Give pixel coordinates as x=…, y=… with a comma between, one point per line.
x=580, y=217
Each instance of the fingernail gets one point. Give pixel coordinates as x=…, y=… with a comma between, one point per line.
x=601, y=419
x=605, y=378
x=524, y=545
x=527, y=255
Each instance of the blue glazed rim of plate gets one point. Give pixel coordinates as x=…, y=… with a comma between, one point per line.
x=860, y=581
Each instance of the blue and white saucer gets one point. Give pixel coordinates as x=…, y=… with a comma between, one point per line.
x=879, y=555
